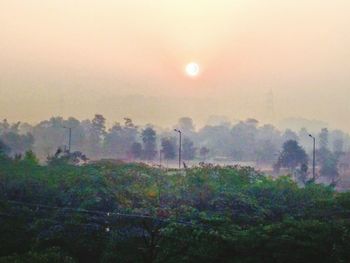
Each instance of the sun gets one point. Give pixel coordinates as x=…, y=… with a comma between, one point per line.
x=192, y=69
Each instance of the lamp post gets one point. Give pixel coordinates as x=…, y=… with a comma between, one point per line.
x=160, y=158
x=313, y=156
x=69, y=137
x=180, y=135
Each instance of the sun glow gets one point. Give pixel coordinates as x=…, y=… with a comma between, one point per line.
x=192, y=69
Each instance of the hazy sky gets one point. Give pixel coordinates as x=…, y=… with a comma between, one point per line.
x=268, y=59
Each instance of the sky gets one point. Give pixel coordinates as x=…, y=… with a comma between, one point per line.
x=268, y=60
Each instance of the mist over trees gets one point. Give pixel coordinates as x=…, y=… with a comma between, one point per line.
x=56, y=206
x=244, y=141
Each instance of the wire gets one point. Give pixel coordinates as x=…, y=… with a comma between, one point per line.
x=103, y=213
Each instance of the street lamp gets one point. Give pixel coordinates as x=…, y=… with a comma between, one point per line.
x=69, y=138
x=180, y=134
x=160, y=158
x=313, y=156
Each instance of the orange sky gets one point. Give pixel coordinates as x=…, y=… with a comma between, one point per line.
x=127, y=58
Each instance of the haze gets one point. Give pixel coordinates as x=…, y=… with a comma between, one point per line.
x=268, y=60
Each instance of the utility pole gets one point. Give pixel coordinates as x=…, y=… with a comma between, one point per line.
x=180, y=135
x=69, y=137
x=313, y=156
x=160, y=157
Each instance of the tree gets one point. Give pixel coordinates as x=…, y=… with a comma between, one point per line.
x=329, y=166
x=4, y=149
x=329, y=163
x=136, y=150
x=289, y=135
x=292, y=155
x=203, y=152
x=120, y=139
x=217, y=138
x=49, y=135
x=327, y=160
x=266, y=152
x=99, y=125
x=338, y=145
x=18, y=143
x=169, y=147
x=244, y=136
x=338, y=141
x=186, y=125
x=188, y=149
x=323, y=137
x=302, y=173
x=4, y=126
x=65, y=157
x=30, y=158
x=96, y=135
x=149, y=143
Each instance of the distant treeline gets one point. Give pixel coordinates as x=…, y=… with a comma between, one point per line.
x=243, y=141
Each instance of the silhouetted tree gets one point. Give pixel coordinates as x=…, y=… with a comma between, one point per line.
x=149, y=143
x=65, y=157
x=289, y=135
x=266, y=152
x=188, y=149
x=185, y=124
x=323, y=137
x=136, y=150
x=244, y=136
x=96, y=135
x=217, y=138
x=327, y=160
x=4, y=149
x=99, y=125
x=302, y=173
x=329, y=165
x=292, y=155
x=203, y=152
x=18, y=143
x=169, y=148
x=338, y=142
x=120, y=139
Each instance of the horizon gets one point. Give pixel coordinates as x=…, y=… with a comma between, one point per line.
x=268, y=61
x=293, y=124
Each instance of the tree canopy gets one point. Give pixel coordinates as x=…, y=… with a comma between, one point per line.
x=125, y=212
x=292, y=155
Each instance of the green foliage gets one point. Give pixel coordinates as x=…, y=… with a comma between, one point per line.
x=117, y=212
x=30, y=158
x=52, y=255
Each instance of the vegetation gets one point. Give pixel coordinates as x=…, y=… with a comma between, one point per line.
x=292, y=155
x=116, y=212
x=247, y=141
x=222, y=142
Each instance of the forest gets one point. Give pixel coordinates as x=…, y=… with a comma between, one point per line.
x=245, y=141
x=97, y=196
x=126, y=212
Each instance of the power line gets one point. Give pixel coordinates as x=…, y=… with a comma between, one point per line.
x=103, y=213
